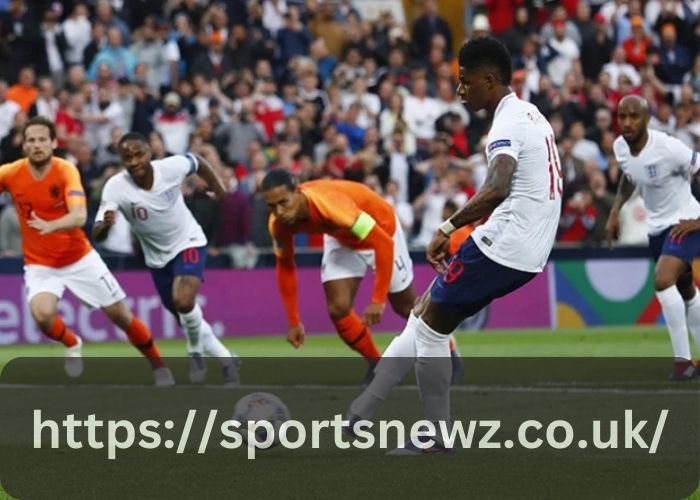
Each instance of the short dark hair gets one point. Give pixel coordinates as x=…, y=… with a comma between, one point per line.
x=487, y=51
x=132, y=136
x=278, y=177
x=40, y=120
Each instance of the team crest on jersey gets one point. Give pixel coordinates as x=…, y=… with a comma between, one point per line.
x=169, y=194
x=54, y=191
x=502, y=143
x=652, y=171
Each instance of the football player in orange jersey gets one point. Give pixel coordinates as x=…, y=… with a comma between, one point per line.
x=51, y=207
x=360, y=230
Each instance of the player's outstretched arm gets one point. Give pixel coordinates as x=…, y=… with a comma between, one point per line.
x=76, y=217
x=100, y=230
x=207, y=172
x=383, y=245
x=496, y=188
x=612, y=227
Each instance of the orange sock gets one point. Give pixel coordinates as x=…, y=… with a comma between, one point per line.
x=358, y=336
x=61, y=333
x=141, y=338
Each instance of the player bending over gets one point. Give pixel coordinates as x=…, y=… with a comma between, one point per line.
x=148, y=193
x=661, y=167
x=522, y=193
x=360, y=230
x=51, y=206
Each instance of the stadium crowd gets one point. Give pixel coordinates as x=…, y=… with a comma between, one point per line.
x=313, y=87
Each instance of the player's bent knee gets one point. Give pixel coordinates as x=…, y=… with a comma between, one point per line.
x=183, y=304
x=120, y=314
x=664, y=280
x=338, y=310
x=43, y=313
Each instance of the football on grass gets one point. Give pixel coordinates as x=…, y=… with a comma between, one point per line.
x=261, y=406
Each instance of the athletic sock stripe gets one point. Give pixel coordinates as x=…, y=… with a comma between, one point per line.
x=358, y=338
x=145, y=345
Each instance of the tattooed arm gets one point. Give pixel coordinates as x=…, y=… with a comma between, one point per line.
x=496, y=188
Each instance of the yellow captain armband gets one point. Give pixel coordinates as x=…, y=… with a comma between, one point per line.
x=363, y=225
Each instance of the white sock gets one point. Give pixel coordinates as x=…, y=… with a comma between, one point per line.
x=692, y=311
x=396, y=362
x=191, y=323
x=212, y=345
x=673, y=308
x=433, y=371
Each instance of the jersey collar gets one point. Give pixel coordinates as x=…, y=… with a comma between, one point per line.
x=502, y=102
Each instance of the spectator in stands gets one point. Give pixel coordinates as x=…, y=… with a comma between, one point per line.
x=637, y=47
x=674, y=58
x=20, y=32
x=521, y=31
x=46, y=104
x=77, y=31
x=420, y=113
x=109, y=155
x=117, y=57
x=584, y=149
x=583, y=21
x=429, y=205
x=572, y=167
x=350, y=127
x=293, y=39
x=618, y=67
x=159, y=56
x=428, y=24
x=560, y=22
x=11, y=144
x=8, y=110
x=596, y=50
x=173, y=123
x=578, y=218
x=24, y=92
x=603, y=123
x=98, y=41
x=103, y=116
x=234, y=234
x=53, y=46
x=10, y=234
x=561, y=52
x=105, y=15
x=602, y=201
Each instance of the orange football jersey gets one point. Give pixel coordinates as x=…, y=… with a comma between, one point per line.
x=49, y=198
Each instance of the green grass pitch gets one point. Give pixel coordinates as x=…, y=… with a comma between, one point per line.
x=589, y=342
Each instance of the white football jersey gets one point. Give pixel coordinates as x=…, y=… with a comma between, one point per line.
x=159, y=217
x=661, y=172
x=520, y=232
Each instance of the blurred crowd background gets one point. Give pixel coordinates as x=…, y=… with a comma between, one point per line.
x=322, y=90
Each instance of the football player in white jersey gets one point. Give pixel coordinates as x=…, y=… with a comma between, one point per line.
x=149, y=195
x=661, y=167
x=522, y=194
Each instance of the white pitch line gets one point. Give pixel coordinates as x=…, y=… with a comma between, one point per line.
x=557, y=389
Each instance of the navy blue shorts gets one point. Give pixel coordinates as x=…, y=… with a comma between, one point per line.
x=473, y=281
x=686, y=248
x=189, y=262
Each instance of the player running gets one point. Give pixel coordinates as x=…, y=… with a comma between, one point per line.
x=148, y=193
x=360, y=231
x=522, y=193
x=661, y=166
x=51, y=205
